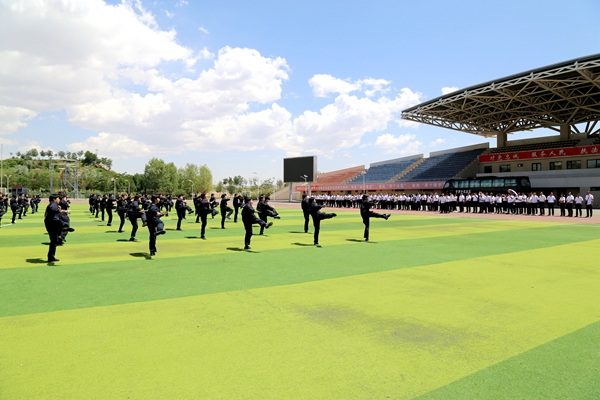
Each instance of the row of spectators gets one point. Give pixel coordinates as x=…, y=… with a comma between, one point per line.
x=510, y=203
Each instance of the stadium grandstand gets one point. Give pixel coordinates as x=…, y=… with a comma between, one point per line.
x=562, y=98
x=386, y=171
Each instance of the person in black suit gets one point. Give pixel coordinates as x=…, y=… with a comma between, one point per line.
x=367, y=214
x=213, y=205
x=122, y=210
x=180, y=209
x=317, y=216
x=155, y=225
x=15, y=208
x=54, y=226
x=265, y=211
x=237, y=204
x=64, y=218
x=102, y=205
x=305, y=204
x=2, y=208
x=249, y=219
x=203, y=211
x=133, y=213
x=110, y=206
x=226, y=211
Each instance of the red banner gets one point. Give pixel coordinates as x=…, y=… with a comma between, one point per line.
x=547, y=153
x=373, y=186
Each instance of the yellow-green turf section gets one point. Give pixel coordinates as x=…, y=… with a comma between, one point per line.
x=441, y=307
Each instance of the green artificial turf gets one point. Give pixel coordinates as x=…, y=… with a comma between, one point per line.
x=438, y=306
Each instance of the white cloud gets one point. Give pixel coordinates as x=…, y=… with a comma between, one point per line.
x=449, y=89
x=323, y=85
x=401, y=144
x=118, y=146
x=181, y=3
x=32, y=144
x=83, y=57
x=437, y=142
x=11, y=118
x=204, y=30
x=343, y=123
x=6, y=141
x=169, y=14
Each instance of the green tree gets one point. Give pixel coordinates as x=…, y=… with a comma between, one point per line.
x=88, y=159
x=161, y=177
x=106, y=161
x=235, y=184
x=200, y=176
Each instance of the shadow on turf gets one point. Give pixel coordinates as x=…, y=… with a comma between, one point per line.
x=36, y=261
x=241, y=249
x=298, y=232
x=358, y=241
x=141, y=255
x=303, y=244
x=123, y=240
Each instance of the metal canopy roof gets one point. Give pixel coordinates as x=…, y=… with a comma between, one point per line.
x=567, y=93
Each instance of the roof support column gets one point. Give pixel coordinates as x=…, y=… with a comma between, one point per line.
x=565, y=132
x=501, y=139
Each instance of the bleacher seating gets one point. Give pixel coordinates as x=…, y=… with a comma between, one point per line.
x=442, y=167
x=339, y=177
x=383, y=173
x=535, y=146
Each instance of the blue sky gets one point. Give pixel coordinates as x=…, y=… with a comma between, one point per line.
x=239, y=85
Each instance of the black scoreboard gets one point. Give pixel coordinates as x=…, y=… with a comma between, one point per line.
x=294, y=169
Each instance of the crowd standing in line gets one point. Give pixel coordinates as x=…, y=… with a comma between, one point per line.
x=150, y=209
x=499, y=203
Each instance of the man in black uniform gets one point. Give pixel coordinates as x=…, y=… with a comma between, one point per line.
x=24, y=203
x=54, y=226
x=225, y=210
x=155, y=225
x=102, y=206
x=122, y=210
x=265, y=211
x=317, y=216
x=367, y=214
x=237, y=203
x=203, y=211
x=133, y=213
x=181, y=207
x=64, y=219
x=306, y=211
x=249, y=219
x=2, y=208
x=15, y=208
x=213, y=205
x=91, y=203
x=110, y=206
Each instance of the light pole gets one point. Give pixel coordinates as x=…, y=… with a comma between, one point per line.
x=7, y=182
x=192, y=182
x=128, y=187
x=364, y=184
x=305, y=177
x=114, y=186
x=257, y=184
x=122, y=176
